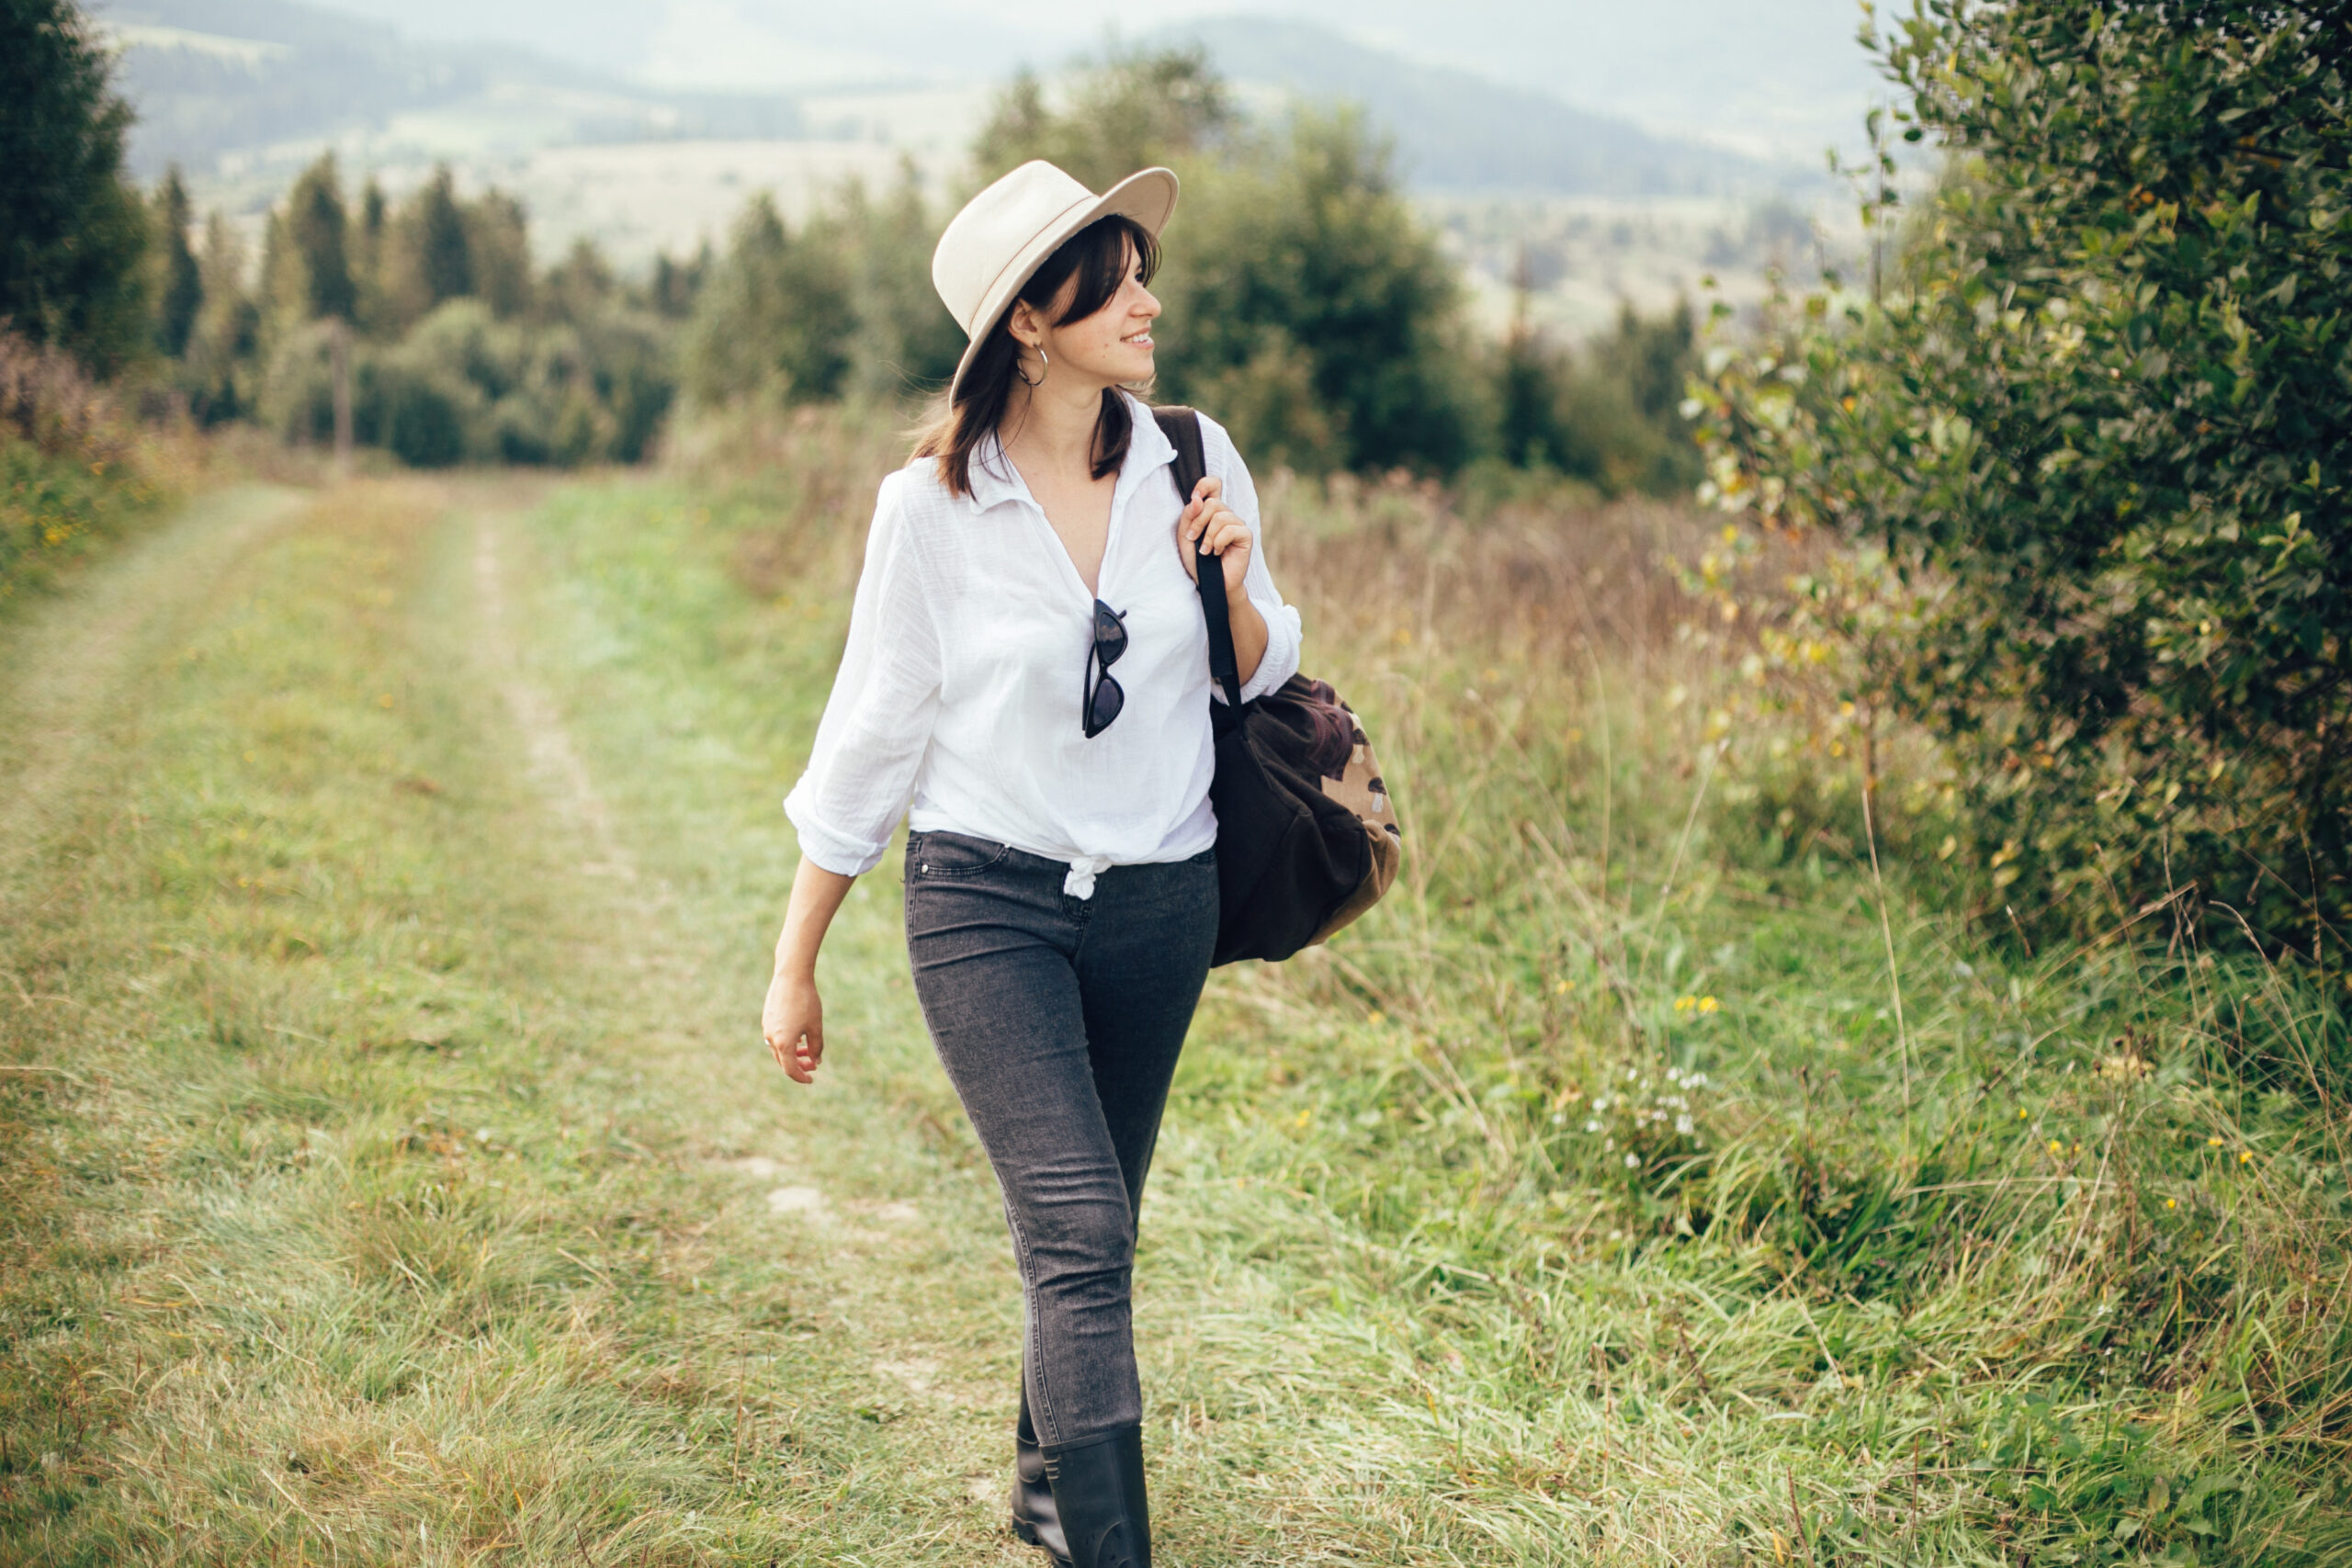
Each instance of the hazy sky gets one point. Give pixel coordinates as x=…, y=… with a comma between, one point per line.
x=1778, y=76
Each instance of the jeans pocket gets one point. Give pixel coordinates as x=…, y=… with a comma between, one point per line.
x=939, y=854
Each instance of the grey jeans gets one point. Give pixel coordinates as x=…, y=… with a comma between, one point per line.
x=1059, y=1020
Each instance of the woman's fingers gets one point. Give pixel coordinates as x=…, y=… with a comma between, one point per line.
x=1225, y=530
x=798, y=1052
x=797, y=1061
x=1202, y=507
x=787, y=1055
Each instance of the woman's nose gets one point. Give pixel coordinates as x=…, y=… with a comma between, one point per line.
x=1147, y=305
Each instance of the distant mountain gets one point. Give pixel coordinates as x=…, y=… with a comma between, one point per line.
x=1461, y=133
x=1775, y=79
x=239, y=91
x=214, y=78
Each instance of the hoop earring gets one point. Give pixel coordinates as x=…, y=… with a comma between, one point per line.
x=1045, y=362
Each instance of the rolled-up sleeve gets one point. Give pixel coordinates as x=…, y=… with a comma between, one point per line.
x=878, y=720
x=1281, y=660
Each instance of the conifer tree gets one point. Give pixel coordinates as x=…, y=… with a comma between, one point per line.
x=219, y=367
x=181, y=294
x=315, y=228
x=368, y=256
x=73, y=234
x=444, y=258
x=498, y=253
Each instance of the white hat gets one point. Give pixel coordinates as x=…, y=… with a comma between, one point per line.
x=1004, y=234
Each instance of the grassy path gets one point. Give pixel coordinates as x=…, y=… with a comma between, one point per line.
x=386, y=1172
x=389, y=1170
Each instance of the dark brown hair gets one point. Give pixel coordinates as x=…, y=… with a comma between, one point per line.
x=1096, y=256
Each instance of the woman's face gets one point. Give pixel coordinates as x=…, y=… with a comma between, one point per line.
x=1112, y=345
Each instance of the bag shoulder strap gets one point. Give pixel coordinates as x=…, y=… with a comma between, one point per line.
x=1182, y=427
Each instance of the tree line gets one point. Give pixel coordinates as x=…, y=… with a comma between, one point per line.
x=1314, y=310
x=1310, y=306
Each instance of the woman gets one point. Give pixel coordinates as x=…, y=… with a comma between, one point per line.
x=1060, y=864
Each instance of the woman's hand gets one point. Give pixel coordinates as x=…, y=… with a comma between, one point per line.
x=793, y=1024
x=1208, y=526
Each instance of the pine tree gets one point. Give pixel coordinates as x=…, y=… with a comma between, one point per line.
x=444, y=259
x=73, y=234
x=219, y=368
x=498, y=251
x=367, y=282
x=315, y=231
x=181, y=295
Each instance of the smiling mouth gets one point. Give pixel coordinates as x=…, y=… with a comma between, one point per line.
x=1141, y=340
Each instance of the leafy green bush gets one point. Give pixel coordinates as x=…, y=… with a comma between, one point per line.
x=2098, y=435
x=464, y=386
x=421, y=423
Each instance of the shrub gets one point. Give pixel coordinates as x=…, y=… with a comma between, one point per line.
x=2098, y=435
x=419, y=422
x=464, y=386
x=68, y=477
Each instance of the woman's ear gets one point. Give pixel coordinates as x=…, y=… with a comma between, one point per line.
x=1023, y=324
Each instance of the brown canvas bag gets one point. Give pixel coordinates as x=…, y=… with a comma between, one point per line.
x=1307, y=838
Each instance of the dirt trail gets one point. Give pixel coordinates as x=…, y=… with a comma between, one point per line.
x=555, y=765
x=909, y=1269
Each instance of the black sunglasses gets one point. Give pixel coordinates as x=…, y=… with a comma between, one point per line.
x=1104, y=697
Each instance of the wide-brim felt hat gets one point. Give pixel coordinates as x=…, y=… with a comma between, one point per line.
x=1004, y=234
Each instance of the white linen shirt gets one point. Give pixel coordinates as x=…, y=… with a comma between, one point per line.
x=963, y=679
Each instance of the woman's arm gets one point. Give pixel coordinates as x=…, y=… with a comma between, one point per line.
x=793, y=1018
x=861, y=770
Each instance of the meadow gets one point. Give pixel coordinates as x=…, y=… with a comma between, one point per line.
x=1671, y=1171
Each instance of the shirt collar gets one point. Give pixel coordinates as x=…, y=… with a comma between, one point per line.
x=996, y=480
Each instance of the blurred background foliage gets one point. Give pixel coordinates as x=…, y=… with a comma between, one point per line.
x=1311, y=308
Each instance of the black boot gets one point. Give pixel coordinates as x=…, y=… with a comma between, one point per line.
x=1098, y=1492
x=1034, y=1518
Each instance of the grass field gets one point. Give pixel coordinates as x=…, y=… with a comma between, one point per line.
x=390, y=1169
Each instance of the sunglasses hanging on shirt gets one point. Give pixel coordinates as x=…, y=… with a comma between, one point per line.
x=1103, y=696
